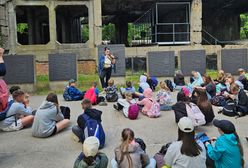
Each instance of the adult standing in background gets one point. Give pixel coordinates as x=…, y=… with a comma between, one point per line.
x=106, y=61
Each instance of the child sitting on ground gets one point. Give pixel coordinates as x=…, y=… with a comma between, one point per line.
x=243, y=78
x=143, y=83
x=164, y=97
x=111, y=91
x=152, y=81
x=129, y=153
x=241, y=99
x=124, y=104
x=90, y=119
x=93, y=95
x=19, y=115
x=129, y=89
x=49, y=119
x=11, y=91
x=71, y=93
x=151, y=106
x=90, y=156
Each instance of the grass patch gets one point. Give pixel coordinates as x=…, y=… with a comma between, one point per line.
x=85, y=81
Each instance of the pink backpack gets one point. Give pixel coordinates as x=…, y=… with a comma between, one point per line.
x=133, y=111
x=195, y=114
x=4, y=95
x=91, y=95
x=154, y=111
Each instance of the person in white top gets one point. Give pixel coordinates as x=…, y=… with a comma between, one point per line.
x=186, y=152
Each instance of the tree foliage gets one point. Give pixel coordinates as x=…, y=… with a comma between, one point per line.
x=244, y=26
x=22, y=28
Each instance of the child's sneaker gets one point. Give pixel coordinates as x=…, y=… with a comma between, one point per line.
x=103, y=104
x=74, y=138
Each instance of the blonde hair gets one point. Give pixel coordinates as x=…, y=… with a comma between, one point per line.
x=164, y=86
x=229, y=76
x=221, y=76
x=129, y=96
x=111, y=82
x=234, y=88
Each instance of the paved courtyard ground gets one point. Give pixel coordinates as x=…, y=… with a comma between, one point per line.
x=21, y=150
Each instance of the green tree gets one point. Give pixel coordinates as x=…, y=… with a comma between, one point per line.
x=244, y=26
x=22, y=28
x=108, y=32
x=85, y=33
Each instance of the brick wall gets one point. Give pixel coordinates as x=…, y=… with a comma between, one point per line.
x=84, y=67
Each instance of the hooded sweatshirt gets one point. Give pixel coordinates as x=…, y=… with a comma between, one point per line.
x=226, y=152
x=45, y=119
x=92, y=113
x=137, y=155
x=101, y=161
x=143, y=83
x=147, y=101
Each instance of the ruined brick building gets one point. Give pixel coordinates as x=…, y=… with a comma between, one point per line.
x=54, y=26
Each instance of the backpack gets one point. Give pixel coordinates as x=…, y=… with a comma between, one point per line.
x=230, y=108
x=91, y=95
x=4, y=113
x=218, y=100
x=154, y=111
x=94, y=128
x=195, y=114
x=4, y=95
x=133, y=111
x=112, y=97
x=169, y=84
x=66, y=94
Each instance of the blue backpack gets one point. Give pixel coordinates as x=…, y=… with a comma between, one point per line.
x=66, y=94
x=4, y=113
x=94, y=128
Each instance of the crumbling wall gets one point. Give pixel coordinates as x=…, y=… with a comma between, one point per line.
x=4, y=29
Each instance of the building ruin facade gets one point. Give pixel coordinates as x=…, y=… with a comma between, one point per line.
x=54, y=26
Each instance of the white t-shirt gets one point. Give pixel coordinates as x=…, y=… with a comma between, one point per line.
x=175, y=159
x=107, y=63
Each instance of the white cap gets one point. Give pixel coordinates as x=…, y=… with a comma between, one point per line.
x=90, y=146
x=186, y=125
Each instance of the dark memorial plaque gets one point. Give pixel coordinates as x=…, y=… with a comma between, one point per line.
x=193, y=60
x=117, y=50
x=62, y=67
x=233, y=59
x=161, y=63
x=20, y=69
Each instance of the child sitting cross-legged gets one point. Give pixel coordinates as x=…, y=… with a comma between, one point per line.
x=164, y=97
x=111, y=91
x=50, y=118
x=124, y=105
x=93, y=95
x=89, y=124
x=19, y=114
x=151, y=106
x=72, y=93
x=90, y=156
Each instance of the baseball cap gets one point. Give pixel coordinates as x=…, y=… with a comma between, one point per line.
x=186, y=125
x=72, y=81
x=226, y=126
x=241, y=70
x=91, y=146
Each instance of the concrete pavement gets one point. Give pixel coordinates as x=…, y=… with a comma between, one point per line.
x=21, y=150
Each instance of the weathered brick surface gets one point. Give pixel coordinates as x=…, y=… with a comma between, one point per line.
x=87, y=67
x=84, y=67
x=42, y=68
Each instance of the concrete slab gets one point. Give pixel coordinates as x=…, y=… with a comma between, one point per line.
x=21, y=150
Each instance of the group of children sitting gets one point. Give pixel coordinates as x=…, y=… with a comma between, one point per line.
x=193, y=108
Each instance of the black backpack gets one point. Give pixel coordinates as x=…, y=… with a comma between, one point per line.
x=169, y=84
x=230, y=109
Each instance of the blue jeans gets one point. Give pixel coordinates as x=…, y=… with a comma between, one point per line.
x=152, y=163
x=164, y=107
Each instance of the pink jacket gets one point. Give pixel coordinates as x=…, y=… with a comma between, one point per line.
x=146, y=101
